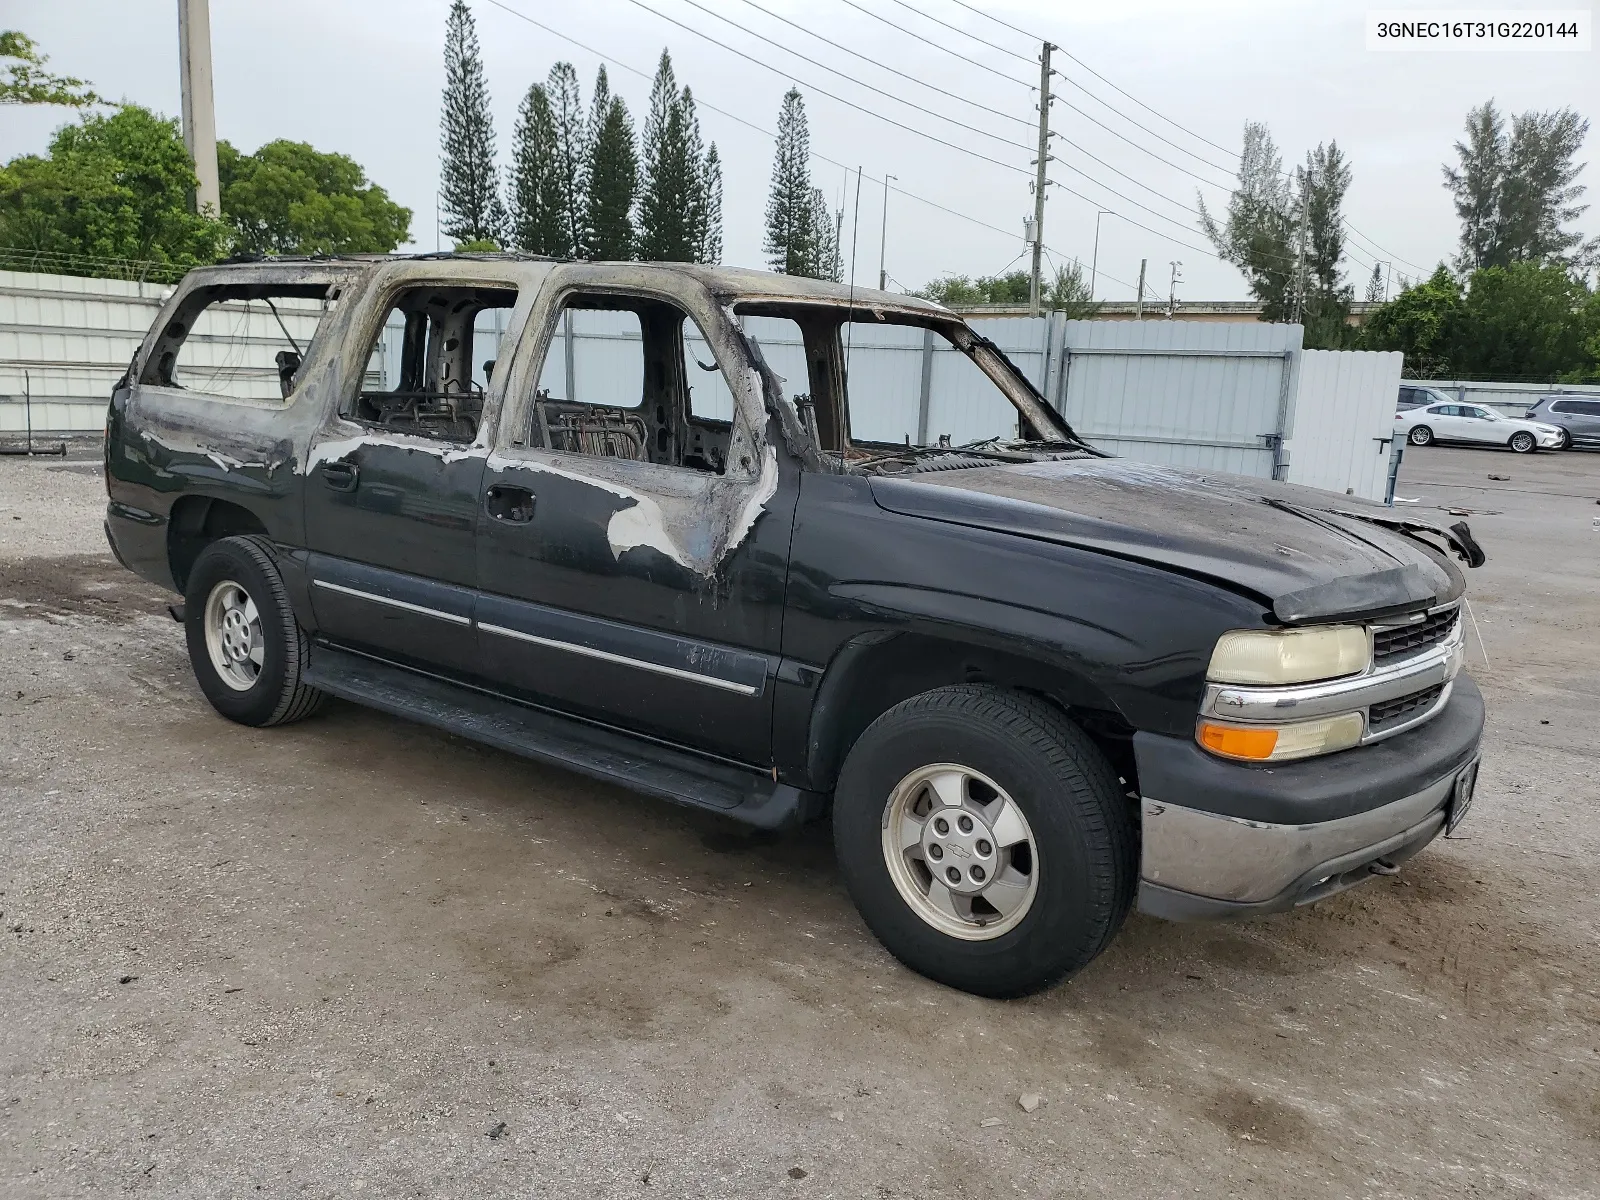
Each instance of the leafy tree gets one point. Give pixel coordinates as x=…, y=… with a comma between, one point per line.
x=790, y=243
x=1420, y=322
x=1525, y=320
x=469, y=186
x=565, y=182
x=113, y=187
x=535, y=218
x=670, y=192
x=1515, y=192
x=23, y=79
x=1257, y=233
x=710, y=249
x=1067, y=292
x=477, y=246
x=288, y=198
x=611, y=176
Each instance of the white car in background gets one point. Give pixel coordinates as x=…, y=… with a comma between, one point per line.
x=1475, y=423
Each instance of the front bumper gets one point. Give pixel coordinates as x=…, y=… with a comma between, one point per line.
x=1222, y=839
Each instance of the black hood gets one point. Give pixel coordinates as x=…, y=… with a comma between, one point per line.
x=1308, y=554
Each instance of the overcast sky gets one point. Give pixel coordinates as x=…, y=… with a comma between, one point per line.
x=363, y=77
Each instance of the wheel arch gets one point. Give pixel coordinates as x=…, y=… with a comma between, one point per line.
x=876, y=671
x=197, y=521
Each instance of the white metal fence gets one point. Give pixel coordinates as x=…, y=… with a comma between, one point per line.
x=1240, y=397
x=1513, y=399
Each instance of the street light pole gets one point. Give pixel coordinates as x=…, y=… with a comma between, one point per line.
x=883, y=237
x=199, y=110
x=1094, y=263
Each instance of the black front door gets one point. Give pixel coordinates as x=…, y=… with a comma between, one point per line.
x=632, y=555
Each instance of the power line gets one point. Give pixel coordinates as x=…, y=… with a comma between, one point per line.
x=939, y=46
x=964, y=33
x=839, y=99
x=767, y=133
x=885, y=66
x=859, y=83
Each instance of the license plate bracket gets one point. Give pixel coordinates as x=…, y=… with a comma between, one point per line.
x=1461, y=796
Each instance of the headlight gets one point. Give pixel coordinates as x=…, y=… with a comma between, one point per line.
x=1280, y=743
x=1290, y=655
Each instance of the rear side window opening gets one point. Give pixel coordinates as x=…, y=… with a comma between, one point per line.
x=431, y=361
x=240, y=341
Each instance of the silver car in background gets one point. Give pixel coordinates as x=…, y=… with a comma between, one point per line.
x=1577, y=418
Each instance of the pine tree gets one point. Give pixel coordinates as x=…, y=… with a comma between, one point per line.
x=826, y=261
x=535, y=223
x=667, y=194
x=1323, y=182
x=1375, y=285
x=1257, y=233
x=789, y=244
x=612, y=176
x=710, y=247
x=568, y=163
x=469, y=186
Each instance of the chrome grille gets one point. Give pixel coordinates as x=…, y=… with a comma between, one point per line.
x=1389, y=713
x=1401, y=641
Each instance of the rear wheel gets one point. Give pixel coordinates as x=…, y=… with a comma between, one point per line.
x=1420, y=435
x=985, y=840
x=1522, y=442
x=247, y=650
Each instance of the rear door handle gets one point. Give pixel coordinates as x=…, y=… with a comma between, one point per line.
x=513, y=505
x=341, y=476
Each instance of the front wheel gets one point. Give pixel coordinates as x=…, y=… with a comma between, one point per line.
x=1522, y=442
x=1420, y=435
x=247, y=650
x=985, y=840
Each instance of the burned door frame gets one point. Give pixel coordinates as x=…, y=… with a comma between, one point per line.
x=643, y=594
x=390, y=517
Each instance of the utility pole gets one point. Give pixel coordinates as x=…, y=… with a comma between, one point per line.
x=1138, y=305
x=1094, y=263
x=883, y=237
x=1300, y=259
x=199, y=110
x=1039, y=180
x=1172, y=289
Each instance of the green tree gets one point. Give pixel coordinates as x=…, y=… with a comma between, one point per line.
x=611, y=176
x=113, y=187
x=1421, y=323
x=469, y=186
x=710, y=250
x=288, y=198
x=1516, y=192
x=1325, y=310
x=827, y=256
x=567, y=164
x=1525, y=320
x=535, y=218
x=1257, y=232
x=1375, y=285
x=1069, y=293
x=23, y=79
x=790, y=243
x=670, y=189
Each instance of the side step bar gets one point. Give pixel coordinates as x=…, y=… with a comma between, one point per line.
x=643, y=766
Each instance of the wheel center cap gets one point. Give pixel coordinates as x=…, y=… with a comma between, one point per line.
x=958, y=847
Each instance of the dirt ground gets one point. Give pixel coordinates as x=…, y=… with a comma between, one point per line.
x=355, y=957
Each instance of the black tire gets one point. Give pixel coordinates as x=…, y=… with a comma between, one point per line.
x=1566, y=441
x=278, y=694
x=1082, y=824
x=1522, y=442
x=1420, y=435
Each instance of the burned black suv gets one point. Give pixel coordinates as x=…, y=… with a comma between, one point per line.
x=642, y=521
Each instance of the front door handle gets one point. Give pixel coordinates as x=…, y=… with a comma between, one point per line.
x=341, y=476
x=513, y=505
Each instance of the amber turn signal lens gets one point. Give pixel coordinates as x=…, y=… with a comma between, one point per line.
x=1232, y=741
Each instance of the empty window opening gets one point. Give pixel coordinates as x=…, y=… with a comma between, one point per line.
x=632, y=378
x=432, y=360
x=240, y=341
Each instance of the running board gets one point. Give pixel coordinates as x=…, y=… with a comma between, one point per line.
x=642, y=766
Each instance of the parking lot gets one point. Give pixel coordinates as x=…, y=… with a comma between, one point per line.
x=353, y=956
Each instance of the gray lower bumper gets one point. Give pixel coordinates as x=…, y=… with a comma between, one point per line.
x=1198, y=865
